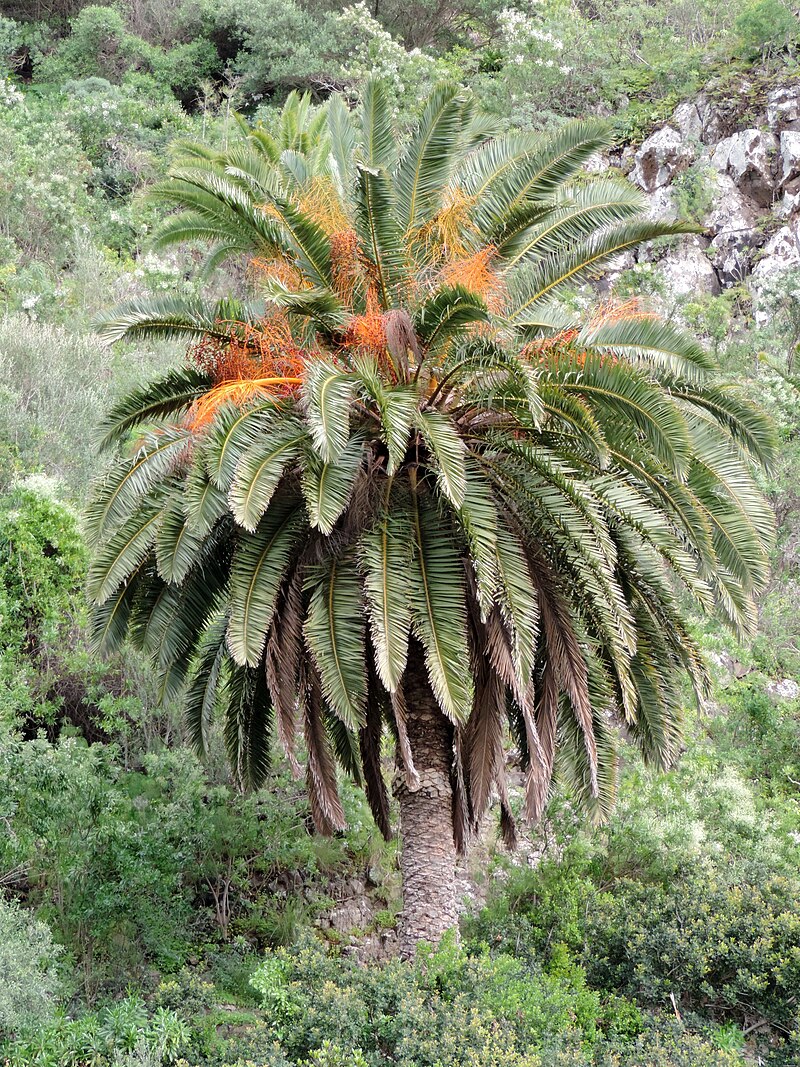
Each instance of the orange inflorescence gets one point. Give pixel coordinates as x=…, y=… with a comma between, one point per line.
x=256, y=359
x=320, y=202
x=346, y=265
x=366, y=333
x=477, y=274
x=619, y=311
x=445, y=235
x=278, y=269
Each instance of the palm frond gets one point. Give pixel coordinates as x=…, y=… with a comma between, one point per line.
x=335, y=634
x=438, y=609
x=259, y=563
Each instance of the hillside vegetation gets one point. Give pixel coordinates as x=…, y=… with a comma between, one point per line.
x=152, y=911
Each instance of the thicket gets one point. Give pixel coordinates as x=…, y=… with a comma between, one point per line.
x=530, y=62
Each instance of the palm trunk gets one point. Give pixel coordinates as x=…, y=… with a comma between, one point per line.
x=428, y=854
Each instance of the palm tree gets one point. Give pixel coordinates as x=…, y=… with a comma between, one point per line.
x=408, y=490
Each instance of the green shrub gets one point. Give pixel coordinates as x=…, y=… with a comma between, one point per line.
x=28, y=967
x=766, y=26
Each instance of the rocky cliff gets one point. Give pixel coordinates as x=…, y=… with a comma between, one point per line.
x=732, y=161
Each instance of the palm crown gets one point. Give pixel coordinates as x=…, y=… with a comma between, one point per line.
x=407, y=458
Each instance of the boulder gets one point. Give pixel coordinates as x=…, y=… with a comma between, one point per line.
x=733, y=220
x=749, y=159
x=689, y=120
x=789, y=161
x=783, y=108
x=703, y=119
x=781, y=253
x=661, y=205
x=663, y=155
x=785, y=689
x=687, y=271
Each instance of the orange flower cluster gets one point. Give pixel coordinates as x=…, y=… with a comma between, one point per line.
x=447, y=234
x=477, y=274
x=279, y=270
x=320, y=202
x=619, y=311
x=366, y=334
x=255, y=359
x=346, y=266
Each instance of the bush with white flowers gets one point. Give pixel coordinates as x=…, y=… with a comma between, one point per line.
x=373, y=52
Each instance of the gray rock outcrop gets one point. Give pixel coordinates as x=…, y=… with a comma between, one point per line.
x=749, y=158
x=662, y=156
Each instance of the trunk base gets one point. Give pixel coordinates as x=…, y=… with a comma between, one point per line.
x=428, y=853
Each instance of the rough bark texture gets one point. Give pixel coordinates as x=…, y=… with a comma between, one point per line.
x=428, y=854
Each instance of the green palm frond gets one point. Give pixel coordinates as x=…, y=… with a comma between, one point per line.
x=438, y=609
x=426, y=164
x=448, y=452
x=377, y=130
x=335, y=633
x=446, y=315
x=386, y=558
x=380, y=231
x=172, y=318
x=327, y=487
x=177, y=542
x=203, y=695
x=559, y=271
x=259, y=564
x=168, y=396
x=328, y=395
x=259, y=471
x=120, y=555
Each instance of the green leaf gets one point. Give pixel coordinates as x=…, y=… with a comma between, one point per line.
x=334, y=632
x=170, y=395
x=446, y=315
x=519, y=602
x=260, y=470
x=427, y=162
x=328, y=395
x=380, y=232
x=259, y=564
x=378, y=136
x=327, y=486
x=438, y=609
x=120, y=556
x=203, y=693
x=171, y=318
x=386, y=555
x=203, y=502
x=448, y=451
x=478, y=516
x=177, y=543
x=129, y=481
x=232, y=433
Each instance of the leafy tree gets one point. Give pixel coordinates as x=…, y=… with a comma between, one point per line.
x=404, y=487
